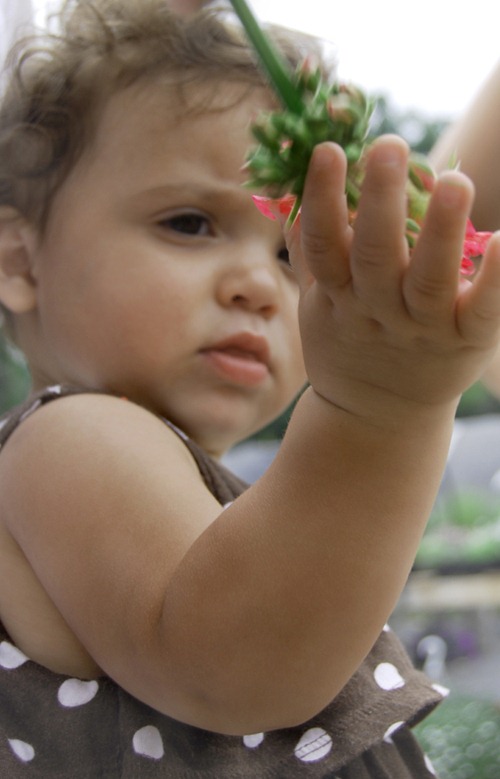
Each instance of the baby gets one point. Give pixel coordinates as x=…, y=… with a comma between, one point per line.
x=157, y=618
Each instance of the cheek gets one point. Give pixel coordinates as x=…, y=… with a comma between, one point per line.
x=151, y=324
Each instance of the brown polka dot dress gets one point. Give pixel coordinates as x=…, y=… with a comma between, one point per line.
x=55, y=726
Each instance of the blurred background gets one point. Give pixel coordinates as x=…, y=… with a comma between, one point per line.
x=423, y=63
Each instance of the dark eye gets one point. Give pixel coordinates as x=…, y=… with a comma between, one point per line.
x=283, y=256
x=188, y=224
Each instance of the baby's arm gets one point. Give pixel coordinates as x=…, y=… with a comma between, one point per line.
x=254, y=618
x=389, y=346
x=474, y=140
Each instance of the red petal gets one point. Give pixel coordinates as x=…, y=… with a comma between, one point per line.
x=275, y=208
x=474, y=247
x=467, y=268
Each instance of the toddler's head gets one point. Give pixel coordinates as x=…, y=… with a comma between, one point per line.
x=121, y=143
x=59, y=83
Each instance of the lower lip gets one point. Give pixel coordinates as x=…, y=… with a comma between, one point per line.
x=239, y=370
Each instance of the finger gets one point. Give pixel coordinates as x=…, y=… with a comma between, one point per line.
x=478, y=310
x=379, y=250
x=325, y=235
x=431, y=282
x=294, y=245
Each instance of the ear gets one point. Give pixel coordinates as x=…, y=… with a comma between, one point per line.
x=17, y=240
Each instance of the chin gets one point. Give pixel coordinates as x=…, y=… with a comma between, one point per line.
x=219, y=436
x=217, y=425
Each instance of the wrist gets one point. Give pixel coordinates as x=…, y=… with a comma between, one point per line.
x=380, y=409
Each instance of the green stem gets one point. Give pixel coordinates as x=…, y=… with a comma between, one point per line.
x=273, y=64
x=295, y=210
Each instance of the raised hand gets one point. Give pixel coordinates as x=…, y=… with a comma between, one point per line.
x=382, y=327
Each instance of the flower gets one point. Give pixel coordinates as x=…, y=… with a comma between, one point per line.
x=313, y=111
x=275, y=208
x=475, y=244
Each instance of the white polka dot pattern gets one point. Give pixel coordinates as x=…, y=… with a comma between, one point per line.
x=444, y=691
x=388, y=677
x=392, y=729
x=148, y=742
x=429, y=766
x=314, y=745
x=22, y=750
x=10, y=656
x=107, y=720
x=254, y=740
x=75, y=692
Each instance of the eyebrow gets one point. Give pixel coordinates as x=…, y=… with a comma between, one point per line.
x=218, y=192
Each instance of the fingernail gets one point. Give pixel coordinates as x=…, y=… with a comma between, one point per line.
x=452, y=190
x=389, y=152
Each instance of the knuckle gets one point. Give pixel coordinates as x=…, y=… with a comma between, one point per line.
x=370, y=255
x=428, y=289
x=315, y=244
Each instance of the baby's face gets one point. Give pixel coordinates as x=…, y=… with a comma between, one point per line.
x=158, y=279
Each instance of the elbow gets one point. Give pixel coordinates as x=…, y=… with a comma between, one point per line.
x=248, y=713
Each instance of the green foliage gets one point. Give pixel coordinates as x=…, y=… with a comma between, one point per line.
x=14, y=376
x=463, y=530
x=331, y=112
x=462, y=739
x=477, y=400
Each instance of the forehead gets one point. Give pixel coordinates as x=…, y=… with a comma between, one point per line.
x=157, y=111
x=147, y=124
x=153, y=148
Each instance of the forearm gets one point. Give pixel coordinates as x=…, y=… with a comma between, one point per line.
x=305, y=568
x=474, y=140
x=491, y=376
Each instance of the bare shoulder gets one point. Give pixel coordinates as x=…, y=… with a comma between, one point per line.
x=87, y=419
x=90, y=438
x=99, y=502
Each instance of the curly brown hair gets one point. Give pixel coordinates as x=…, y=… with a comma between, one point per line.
x=59, y=82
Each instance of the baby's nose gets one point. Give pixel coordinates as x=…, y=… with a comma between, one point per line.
x=253, y=283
